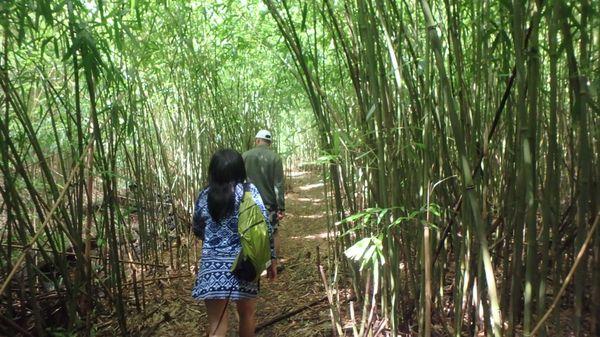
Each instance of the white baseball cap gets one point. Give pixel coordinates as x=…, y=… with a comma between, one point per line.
x=264, y=134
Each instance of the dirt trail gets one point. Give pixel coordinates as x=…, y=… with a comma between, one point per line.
x=175, y=313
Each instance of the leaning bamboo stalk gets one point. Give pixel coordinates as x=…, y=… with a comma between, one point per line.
x=135, y=282
x=93, y=257
x=47, y=221
x=12, y=324
x=580, y=255
x=335, y=320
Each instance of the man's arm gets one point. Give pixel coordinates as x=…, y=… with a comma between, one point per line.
x=279, y=186
x=198, y=224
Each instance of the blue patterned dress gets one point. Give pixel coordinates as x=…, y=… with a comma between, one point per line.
x=221, y=244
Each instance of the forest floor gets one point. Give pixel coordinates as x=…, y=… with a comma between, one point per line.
x=173, y=312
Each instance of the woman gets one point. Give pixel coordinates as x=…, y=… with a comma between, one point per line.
x=216, y=223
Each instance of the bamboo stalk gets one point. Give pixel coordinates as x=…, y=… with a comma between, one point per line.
x=90, y=257
x=567, y=280
x=39, y=231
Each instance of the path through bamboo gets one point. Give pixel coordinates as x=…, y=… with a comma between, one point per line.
x=303, y=229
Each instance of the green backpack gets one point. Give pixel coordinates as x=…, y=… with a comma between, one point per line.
x=253, y=229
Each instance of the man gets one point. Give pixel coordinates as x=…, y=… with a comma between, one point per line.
x=265, y=170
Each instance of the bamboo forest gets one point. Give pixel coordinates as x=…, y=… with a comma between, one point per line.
x=440, y=162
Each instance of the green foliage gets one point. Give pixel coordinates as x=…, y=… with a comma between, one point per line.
x=368, y=252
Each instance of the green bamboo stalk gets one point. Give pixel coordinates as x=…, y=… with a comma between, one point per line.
x=531, y=268
x=465, y=169
x=551, y=204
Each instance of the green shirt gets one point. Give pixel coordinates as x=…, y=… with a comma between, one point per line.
x=265, y=170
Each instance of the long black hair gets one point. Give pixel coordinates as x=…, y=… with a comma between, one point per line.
x=226, y=169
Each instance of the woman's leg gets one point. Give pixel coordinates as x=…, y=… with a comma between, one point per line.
x=246, y=311
x=217, y=309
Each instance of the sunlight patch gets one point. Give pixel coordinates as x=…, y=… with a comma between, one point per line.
x=312, y=216
x=314, y=236
x=310, y=186
x=313, y=200
x=295, y=174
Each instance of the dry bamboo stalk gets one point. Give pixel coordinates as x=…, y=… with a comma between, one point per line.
x=336, y=326
x=567, y=280
x=148, y=281
x=94, y=257
x=40, y=230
